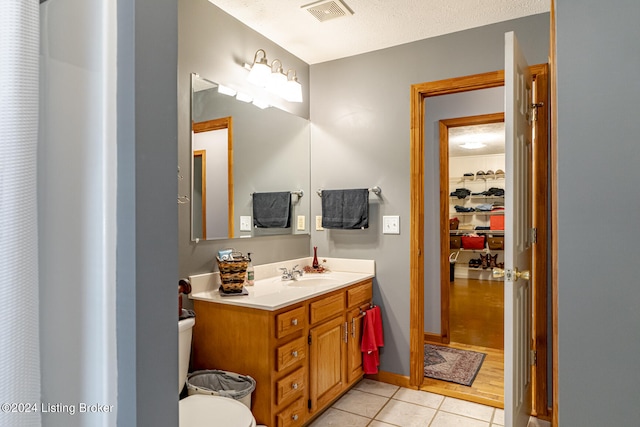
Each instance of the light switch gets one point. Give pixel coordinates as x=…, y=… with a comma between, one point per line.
x=391, y=224
x=319, y=223
x=301, y=222
x=245, y=223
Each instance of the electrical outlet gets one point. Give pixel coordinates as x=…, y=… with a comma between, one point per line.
x=391, y=224
x=245, y=223
x=319, y=223
x=301, y=222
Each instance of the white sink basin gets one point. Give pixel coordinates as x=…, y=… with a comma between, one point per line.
x=309, y=280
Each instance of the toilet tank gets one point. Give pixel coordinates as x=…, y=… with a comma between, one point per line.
x=185, y=329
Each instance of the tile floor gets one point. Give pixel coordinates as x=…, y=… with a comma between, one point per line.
x=375, y=404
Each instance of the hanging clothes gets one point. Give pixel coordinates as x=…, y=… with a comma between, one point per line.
x=372, y=340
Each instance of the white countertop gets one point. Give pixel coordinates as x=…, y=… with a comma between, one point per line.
x=271, y=293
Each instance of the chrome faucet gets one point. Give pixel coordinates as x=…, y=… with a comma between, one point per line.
x=291, y=275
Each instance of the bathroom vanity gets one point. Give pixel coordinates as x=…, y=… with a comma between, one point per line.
x=300, y=340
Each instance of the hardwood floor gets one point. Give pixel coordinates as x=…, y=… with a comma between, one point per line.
x=476, y=310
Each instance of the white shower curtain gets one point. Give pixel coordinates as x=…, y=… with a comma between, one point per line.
x=19, y=336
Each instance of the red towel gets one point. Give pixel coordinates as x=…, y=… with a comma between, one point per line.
x=372, y=339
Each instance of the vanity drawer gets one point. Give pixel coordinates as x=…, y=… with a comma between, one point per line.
x=293, y=416
x=290, y=387
x=359, y=294
x=289, y=322
x=291, y=353
x=326, y=307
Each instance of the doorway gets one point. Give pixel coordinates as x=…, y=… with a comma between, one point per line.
x=472, y=185
x=540, y=330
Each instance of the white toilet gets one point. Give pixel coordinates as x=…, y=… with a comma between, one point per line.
x=200, y=410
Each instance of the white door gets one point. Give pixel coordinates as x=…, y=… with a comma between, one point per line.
x=517, y=254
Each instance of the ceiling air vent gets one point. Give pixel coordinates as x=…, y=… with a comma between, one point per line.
x=324, y=10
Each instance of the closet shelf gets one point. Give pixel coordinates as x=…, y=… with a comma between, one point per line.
x=461, y=232
x=479, y=179
x=477, y=251
x=490, y=213
x=478, y=270
x=478, y=198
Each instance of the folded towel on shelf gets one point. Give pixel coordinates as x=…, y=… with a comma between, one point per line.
x=345, y=209
x=485, y=207
x=272, y=210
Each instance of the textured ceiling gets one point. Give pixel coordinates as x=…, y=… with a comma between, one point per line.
x=490, y=135
x=375, y=24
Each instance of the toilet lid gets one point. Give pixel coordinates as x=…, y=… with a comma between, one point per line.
x=201, y=410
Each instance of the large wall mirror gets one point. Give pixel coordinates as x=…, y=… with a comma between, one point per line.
x=238, y=149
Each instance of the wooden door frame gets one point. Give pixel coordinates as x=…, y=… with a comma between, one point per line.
x=419, y=92
x=553, y=174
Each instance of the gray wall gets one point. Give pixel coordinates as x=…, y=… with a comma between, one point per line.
x=147, y=214
x=360, y=118
x=215, y=45
x=598, y=205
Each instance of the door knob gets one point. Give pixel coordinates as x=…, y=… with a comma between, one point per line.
x=499, y=273
x=524, y=274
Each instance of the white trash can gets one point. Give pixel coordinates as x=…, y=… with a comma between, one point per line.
x=222, y=383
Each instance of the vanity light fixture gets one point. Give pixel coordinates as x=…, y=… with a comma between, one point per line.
x=226, y=90
x=277, y=79
x=260, y=70
x=293, y=88
x=240, y=96
x=273, y=78
x=261, y=104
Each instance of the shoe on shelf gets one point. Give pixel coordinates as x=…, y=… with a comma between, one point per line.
x=493, y=261
x=484, y=261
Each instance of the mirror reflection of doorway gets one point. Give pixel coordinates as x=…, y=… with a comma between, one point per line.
x=212, y=216
x=199, y=193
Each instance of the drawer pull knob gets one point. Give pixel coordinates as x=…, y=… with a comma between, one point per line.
x=294, y=322
x=294, y=353
x=294, y=386
x=294, y=417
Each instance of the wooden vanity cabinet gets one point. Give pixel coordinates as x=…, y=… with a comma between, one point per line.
x=359, y=300
x=303, y=356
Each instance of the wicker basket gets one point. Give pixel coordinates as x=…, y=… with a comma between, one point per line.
x=233, y=273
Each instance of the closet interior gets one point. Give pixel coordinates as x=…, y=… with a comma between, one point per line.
x=476, y=172
x=476, y=215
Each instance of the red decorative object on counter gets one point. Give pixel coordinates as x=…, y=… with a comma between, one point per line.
x=315, y=257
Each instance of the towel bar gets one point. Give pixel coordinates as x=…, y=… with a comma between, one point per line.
x=364, y=312
x=298, y=193
x=375, y=190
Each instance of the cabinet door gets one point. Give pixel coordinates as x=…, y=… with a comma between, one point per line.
x=327, y=361
x=354, y=354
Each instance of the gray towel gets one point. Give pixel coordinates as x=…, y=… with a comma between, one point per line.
x=272, y=210
x=345, y=209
